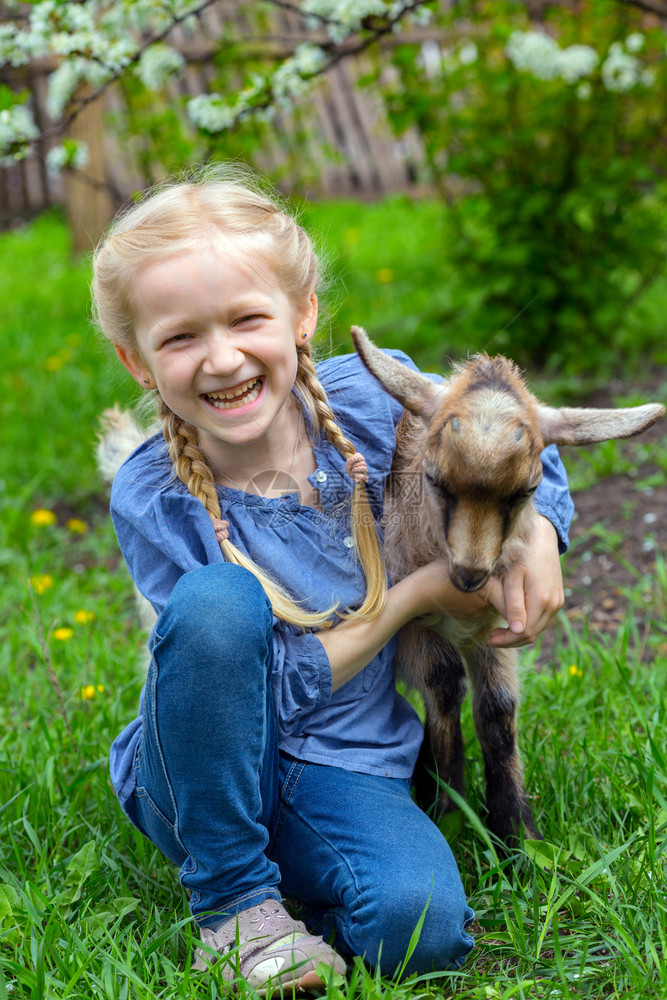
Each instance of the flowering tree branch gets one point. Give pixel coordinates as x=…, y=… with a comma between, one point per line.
x=93, y=45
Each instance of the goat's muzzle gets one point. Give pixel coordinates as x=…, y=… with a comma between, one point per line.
x=468, y=578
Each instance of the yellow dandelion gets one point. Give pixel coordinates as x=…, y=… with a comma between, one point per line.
x=87, y=692
x=82, y=617
x=54, y=363
x=63, y=633
x=76, y=525
x=100, y=688
x=352, y=236
x=575, y=671
x=384, y=275
x=43, y=517
x=41, y=582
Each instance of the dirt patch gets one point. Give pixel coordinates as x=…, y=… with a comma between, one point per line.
x=619, y=531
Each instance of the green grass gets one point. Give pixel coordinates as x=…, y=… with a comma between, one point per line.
x=87, y=907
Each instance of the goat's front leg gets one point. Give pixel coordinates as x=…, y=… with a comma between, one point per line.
x=494, y=674
x=436, y=670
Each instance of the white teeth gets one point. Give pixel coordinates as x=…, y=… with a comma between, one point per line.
x=230, y=400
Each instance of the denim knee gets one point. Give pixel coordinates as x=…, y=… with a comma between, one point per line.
x=221, y=605
x=388, y=920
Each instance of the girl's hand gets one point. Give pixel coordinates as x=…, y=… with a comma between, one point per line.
x=434, y=593
x=532, y=591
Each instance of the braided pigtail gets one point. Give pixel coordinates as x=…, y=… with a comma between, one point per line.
x=364, y=531
x=191, y=467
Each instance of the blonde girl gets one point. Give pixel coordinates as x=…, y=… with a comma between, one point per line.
x=272, y=755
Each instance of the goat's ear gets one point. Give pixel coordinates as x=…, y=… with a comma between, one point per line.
x=416, y=392
x=585, y=426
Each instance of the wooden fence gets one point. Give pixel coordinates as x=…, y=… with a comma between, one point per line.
x=367, y=161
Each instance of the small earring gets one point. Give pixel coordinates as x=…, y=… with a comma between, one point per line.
x=146, y=381
x=303, y=336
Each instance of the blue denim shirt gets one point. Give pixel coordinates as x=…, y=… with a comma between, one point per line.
x=164, y=532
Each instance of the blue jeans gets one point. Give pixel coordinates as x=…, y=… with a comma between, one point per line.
x=245, y=823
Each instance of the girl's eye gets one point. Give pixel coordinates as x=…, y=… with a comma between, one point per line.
x=178, y=338
x=249, y=319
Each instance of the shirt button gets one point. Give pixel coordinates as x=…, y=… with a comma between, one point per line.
x=348, y=542
x=320, y=476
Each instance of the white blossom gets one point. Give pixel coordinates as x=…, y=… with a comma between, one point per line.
x=584, y=90
x=64, y=81
x=430, y=57
x=468, y=53
x=209, y=112
x=576, y=62
x=157, y=63
x=537, y=53
x=16, y=126
x=634, y=42
x=533, y=52
x=421, y=16
x=343, y=17
x=14, y=49
x=620, y=70
x=69, y=154
x=292, y=78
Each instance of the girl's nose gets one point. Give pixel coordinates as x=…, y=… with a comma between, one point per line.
x=222, y=356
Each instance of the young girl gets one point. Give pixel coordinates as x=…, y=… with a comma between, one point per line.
x=272, y=755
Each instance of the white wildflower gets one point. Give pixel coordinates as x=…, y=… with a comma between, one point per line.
x=584, y=91
x=634, y=42
x=468, y=53
x=647, y=77
x=157, y=64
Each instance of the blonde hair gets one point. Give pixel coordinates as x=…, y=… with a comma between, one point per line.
x=171, y=220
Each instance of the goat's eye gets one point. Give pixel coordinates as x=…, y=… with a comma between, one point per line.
x=522, y=495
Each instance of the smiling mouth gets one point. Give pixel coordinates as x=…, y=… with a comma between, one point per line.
x=232, y=399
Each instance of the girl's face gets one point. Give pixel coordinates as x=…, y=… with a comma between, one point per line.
x=218, y=339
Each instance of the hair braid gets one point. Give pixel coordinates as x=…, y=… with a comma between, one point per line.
x=192, y=468
x=188, y=459
x=363, y=523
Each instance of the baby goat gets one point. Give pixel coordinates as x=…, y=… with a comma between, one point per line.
x=475, y=442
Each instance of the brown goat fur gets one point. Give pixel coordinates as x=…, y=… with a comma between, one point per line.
x=473, y=443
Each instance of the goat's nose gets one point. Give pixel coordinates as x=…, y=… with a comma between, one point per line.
x=469, y=578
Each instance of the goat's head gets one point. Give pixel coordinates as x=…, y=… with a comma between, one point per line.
x=484, y=435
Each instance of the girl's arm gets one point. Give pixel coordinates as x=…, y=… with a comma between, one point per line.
x=353, y=643
x=528, y=598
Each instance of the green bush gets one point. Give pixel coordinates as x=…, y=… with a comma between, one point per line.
x=550, y=164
